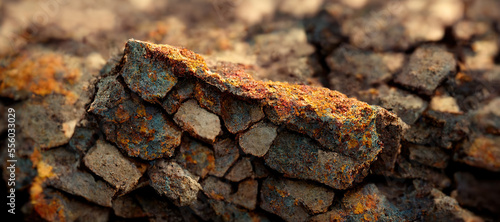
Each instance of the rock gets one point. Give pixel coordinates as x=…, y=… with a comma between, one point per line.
x=66, y=177
x=53, y=205
x=487, y=118
x=226, y=153
x=353, y=69
x=107, y=162
x=430, y=156
x=239, y=115
x=240, y=171
x=119, y=112
x=127, y=207
x=363, y=204
x=145, y=74
x=447, y=208
x=477, y=193
x=427, y=68
x=257, y=140
x=446, y=104
x=407, y=106
x=85, y=133
x=170, y=179
x=282, y=197
x=481, y=151
x=196, y=157
x=216, y=189
x=229, y=212
x=300, y=157
x=413, y=170
x=181, y=92
x=246, y=196
x=197, y=121
x=209, y=97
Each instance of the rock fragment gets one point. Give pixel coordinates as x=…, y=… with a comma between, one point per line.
x=446, y=104
x=181, y=92
x=107, y=162
x=176, y=183
x=145, y=74
x=238, y=115
x=282, y=197
x=246, y=196
x=68, y=178
x=199, y=122
x=428, y=66
x=258, y=139
x=196, y=157
x=226, y=153
x=119, y=112
x=482, y=151
x=215, y=188
x=240, y=171
x=363, y=204
x=300, y=157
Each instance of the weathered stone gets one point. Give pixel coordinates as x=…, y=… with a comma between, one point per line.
x=199, y=122
x=447, y=208
x=226, y=153
x=202, y=208
x=196, y=157
x=127, y=207
x=427, y=68
x=481, y=151
x=300, y=157
x=181, y=92
x=145, y=74
x=52, y=205
x=107, y=162
x=282, y=197
x=66, y=177
x=216, y=189
x=209, y=97
x=477, y=193
x=176, y=183
x=430, y=156
x=353, y=69
x=120, y=114
x=407, y=106
x=246, y=196
x=229, y=212
x=84, y=136
x=363, y=204
x=258, y=139
x=414, y=170
x=260, y=169
x=240, y=171
x=238, y=115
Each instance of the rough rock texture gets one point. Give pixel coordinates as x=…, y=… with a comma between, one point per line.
x=428, y=66
x=197, y=121
x=171, y=180
x=107, y=162
x=258, y=139
x=443, y=167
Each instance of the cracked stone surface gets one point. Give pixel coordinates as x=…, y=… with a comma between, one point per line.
x=288, y=111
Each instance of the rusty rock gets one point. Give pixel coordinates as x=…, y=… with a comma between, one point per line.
x=239, y=115
x=482, y=151
x=154, y=135
x=196, y=157
x=170, y=179
x=181, y=92
x=215, y=188
x=226, y=153
x=282, y=197
x=145, y=74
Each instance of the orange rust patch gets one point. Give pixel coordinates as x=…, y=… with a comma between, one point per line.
x=41, y=75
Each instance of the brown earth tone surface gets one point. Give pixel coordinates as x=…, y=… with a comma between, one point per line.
x=250, y=110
